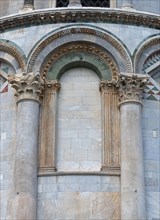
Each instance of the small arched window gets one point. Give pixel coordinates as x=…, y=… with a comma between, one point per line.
x=86, y=3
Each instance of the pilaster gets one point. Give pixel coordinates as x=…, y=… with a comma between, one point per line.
x=47, y=161
x=110, y=126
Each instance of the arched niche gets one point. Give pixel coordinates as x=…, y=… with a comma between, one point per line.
x=79, y=138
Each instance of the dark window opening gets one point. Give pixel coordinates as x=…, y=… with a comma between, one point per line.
x=95, y=3
x=86, y=3
x=62, y=3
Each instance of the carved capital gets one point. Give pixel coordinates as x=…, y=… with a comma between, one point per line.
x=108, y=86
x=53, y=86
x=131, y=86
x=28, y=86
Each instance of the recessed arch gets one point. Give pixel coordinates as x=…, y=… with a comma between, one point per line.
x=83, y=34
x=144, y=50
x=12, y=54
x=79, y=55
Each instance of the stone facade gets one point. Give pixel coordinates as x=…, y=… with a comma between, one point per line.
x=79, y=110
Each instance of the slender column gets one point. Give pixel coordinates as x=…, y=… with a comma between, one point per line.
x=110, y=123
x=74, y=3
x=127, y=4
x=132, y=168
x=48, y=131
x=28, y=5
x=29, y=90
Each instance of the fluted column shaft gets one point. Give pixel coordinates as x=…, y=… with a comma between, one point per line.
x=132, y=168
x=29, y=90
x=110, y=126
x=48, y=136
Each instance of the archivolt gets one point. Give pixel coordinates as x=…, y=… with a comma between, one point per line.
x=144, y=50
x=16, y=55
x=84, y=34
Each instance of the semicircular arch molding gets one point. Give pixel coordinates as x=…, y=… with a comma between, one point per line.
x=81, y=34
x=144, y=50
x=79, y=55
x=12, y=54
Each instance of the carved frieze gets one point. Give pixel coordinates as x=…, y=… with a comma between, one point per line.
x=28, y=86
x=79, y=15
x=131, y=86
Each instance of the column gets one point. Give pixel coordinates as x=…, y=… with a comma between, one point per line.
x=110, y=126
x=127, y=4
x=132, y=168
x=74, y=3
x=29, y=91
x=28, y=5
x=47, y=161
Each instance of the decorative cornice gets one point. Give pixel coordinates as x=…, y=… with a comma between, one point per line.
x=10, y=49
x=28, y=87
x=76, y=47
x=131, y=87
x=69, y=15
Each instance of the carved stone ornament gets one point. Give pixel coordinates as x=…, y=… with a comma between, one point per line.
x=53, y=85
x=106, y=86
x=131, y=87
x=28, y=86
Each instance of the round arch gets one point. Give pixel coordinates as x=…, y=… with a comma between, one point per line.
x=79, y=55
x=15, y=56
x=144, y=50
x=103, y=42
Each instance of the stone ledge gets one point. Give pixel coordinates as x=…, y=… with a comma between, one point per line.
x=50, y=172
x=68, y=15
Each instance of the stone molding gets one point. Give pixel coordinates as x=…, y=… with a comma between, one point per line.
x=82, y=30
x=10, y=49
x=28, y=87
x=69, y=15
x=131, y=86
x=106, y=57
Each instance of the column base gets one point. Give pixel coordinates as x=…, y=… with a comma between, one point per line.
x=47, y=169
x=110, y=169
x=27, y=8
x=74, y=3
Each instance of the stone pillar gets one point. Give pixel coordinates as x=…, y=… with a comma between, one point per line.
x=110, y=126
x=28, y=5
x=29, y=89
x=132, y=168
x=127, y=4
x=48, y=128
x=74, y=3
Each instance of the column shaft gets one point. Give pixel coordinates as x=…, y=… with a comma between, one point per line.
x=132, y=168
x=26, y=160
x=29, y=91
x=132, y=171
